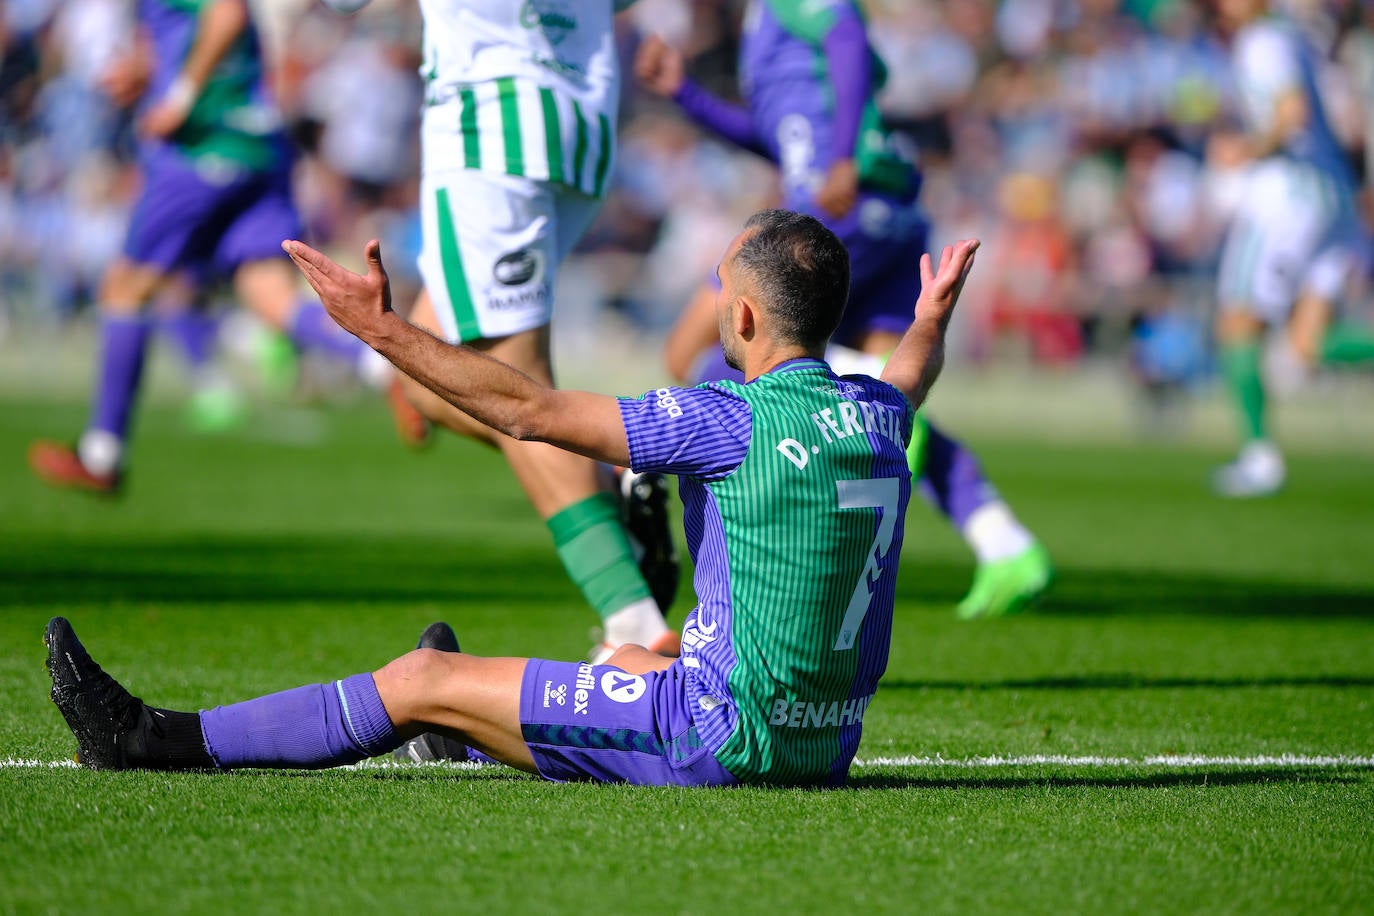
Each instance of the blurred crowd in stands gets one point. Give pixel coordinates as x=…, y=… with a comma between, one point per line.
x=1086, y=141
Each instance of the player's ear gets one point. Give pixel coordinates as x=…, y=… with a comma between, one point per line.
x=745, y=317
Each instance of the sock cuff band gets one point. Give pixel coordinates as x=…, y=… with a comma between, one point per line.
x=577, y=518
x=364, y=715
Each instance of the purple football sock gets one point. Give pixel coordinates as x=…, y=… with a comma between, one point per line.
x=951, y=480
x=123, y=344
x=312, y=330
x=195, y=333
x=312, y=727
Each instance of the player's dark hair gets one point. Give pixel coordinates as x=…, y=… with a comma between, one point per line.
x=800, y=271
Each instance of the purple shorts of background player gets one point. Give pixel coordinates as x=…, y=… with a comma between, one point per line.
x=190, y=215
x=885, y=236
x=584, y=721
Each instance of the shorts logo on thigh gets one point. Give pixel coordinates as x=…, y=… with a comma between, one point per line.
x=553, y=694
x=622, y=687
x=517, y=268
x=585, y=682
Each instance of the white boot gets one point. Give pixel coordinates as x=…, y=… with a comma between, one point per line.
x=1257, y=471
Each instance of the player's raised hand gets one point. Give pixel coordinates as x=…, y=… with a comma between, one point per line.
x=941, y=286
x=659, y=67
x=355, y=301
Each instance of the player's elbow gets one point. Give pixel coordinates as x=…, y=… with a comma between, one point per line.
x=530, y=420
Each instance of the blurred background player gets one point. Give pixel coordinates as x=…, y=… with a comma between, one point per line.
x=216, y=196
x=517, y=143
x=808, y=77
x=1295, y=238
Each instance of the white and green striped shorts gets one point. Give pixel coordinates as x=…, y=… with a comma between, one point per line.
x=1292, y=234
x=506, y=190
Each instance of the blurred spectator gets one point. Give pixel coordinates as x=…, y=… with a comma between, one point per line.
x=1083, y=139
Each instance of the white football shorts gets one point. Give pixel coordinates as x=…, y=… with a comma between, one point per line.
x=491, y=246
x=1295, y=232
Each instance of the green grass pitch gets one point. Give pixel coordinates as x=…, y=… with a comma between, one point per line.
x=1128, y=747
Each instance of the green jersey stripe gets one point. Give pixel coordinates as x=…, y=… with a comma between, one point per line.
x=579, y=151
x=603, y=161
x=455, y=277
x=510, y=126
x=553, y=135
x=467, y=123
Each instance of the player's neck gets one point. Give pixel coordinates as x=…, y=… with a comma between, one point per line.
x=756, y=364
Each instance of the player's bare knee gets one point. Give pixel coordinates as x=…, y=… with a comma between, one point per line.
x=419, y=671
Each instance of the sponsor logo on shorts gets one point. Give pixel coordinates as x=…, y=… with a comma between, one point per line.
x=805, y=714
x=667, y=402
x=554, y=694
x=532, y=297
x=583, y=687
x=622, y=687
x=552, y=18
x=517, y=268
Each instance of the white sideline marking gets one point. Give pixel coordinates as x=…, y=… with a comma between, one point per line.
x=11, y=763
x=1185, y=761
x=1179, y=761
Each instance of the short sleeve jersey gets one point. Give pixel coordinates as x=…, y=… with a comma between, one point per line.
x=794, y=490
x=532, y=87
x=1271, y=57
x=785, y=79
x=234, y=124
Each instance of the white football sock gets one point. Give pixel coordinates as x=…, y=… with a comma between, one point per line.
x=374, y=370
x=640, y=623
x=848, y=361
x=995, y=534
x=100, y=451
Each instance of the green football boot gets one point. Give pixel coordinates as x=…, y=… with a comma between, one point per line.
x=277, y=363
x=216, y=409
x=1006, y=586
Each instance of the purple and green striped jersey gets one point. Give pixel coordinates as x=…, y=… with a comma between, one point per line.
x=794, y=488
x=234, y=125
x=786, y=80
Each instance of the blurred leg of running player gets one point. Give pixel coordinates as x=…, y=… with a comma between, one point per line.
x=183, y=219
x=489, y=265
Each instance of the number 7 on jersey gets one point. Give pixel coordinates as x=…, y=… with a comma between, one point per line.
x=878, y=493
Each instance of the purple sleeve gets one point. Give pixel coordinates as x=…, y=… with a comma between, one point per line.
x=701, y=432
x=850, y=63
x=730, y=121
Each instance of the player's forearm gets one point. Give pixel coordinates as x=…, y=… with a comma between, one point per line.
x=918, y=359
x=729, y=121
x=219, y=26
x=850, y=65
x=1290, y=117
x=485, y=388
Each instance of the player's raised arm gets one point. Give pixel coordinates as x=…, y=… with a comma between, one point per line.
x=920, y=355
x=218, y=27
x=503, y=398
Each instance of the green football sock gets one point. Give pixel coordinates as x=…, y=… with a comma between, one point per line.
x=1241, y=363
x=596, y=553
x=916, y=451
x=1348, y=343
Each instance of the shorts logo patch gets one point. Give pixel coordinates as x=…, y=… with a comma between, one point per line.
x=517, y=268
x=553, y=694
x=622, y=687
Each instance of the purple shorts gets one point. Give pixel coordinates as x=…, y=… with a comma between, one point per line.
x=187, y=217
x=886, y=237
x=595, y=722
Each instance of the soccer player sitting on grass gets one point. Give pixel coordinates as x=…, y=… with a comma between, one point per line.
x=794, y=485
